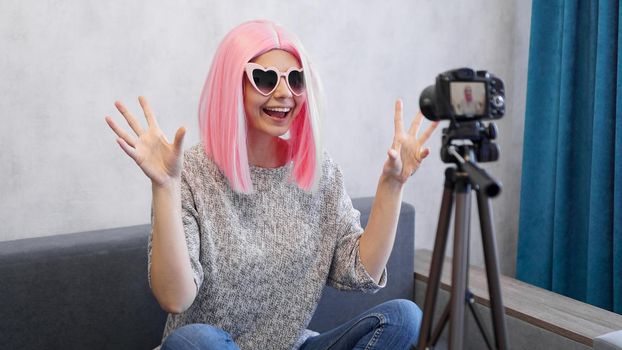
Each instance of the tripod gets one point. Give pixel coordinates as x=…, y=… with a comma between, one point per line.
x=459, y=182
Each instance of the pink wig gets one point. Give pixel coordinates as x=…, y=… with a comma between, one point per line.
x=222, y=120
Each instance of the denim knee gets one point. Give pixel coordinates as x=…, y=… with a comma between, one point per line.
x=198, y=336
x=404, y=315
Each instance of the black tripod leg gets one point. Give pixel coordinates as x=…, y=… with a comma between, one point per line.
x=492, y=271
x=438, y=255
x=460, y=265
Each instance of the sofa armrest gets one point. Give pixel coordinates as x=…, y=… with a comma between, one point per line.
x=609, y=341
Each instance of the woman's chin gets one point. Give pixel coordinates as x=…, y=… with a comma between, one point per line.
x=277, y=127
x=280, y=132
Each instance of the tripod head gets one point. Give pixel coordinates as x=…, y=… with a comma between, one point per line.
x=466, y=143
x=478, y=134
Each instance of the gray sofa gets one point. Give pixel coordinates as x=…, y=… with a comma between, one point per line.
x=89, y=290
x=609, y=341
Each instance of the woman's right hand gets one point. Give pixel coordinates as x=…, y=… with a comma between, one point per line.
x=160, y=160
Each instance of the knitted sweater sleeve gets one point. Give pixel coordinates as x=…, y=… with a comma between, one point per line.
x=346, y=271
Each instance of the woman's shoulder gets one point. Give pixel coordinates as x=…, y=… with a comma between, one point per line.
x=328, y=163
x=198, y=164
x=194, y=153
x=331, y=171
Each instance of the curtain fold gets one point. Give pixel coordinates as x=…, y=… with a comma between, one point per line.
x=570, y=227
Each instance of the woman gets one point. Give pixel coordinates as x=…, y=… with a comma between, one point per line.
x=265, y=221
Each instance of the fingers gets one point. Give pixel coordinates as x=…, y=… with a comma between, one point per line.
x=178, y=143
x=428, y=132
x=151, y=121
x=424, y=153
x=120, y=132
x=394, y=162
x=397, y=120
x=392, y=153
x=127, y=148
x=413, y=130
x=414, y=126
x=134, y=124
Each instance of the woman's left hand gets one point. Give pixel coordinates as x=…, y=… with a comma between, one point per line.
x=407, y=151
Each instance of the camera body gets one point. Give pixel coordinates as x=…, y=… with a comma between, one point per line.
x=464, y=95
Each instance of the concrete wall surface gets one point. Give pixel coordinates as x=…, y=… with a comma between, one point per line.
x=64, y=63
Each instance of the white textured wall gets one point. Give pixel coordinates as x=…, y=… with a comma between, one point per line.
x=63, y=63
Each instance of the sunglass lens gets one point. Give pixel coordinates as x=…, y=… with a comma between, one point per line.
x=265, y=80
x=296, y=82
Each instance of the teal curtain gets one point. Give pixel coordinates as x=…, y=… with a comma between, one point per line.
x=570, y=226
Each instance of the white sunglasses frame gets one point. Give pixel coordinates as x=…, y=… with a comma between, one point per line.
x=250, y=66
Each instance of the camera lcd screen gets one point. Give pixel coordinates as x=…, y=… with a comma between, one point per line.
x=468, y=98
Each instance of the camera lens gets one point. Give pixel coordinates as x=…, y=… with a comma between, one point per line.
x=426, y=103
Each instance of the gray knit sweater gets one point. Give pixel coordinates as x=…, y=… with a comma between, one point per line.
x=260, y=261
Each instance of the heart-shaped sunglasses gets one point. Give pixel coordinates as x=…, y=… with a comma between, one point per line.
x=265, y=80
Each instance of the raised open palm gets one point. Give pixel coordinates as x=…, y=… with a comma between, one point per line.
x=160, y=160
x=407, y=151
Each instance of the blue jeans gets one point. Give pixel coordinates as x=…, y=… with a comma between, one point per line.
x=391, y=325
x=198, y=336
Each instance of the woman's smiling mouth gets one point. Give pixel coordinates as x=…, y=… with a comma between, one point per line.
x=277, y=112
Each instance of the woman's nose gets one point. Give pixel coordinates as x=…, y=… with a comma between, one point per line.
x=282, y=90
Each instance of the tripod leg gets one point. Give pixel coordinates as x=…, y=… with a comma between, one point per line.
x=478, y=321
x=460, y=264
x=492, y=271
x=438, y=255
x=439, y=326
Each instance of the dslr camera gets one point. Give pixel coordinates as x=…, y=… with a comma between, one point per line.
x=464, y=95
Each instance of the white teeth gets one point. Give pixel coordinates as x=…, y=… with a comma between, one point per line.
x=278, y=109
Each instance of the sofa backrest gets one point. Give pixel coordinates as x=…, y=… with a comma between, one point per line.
x=78, y=291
